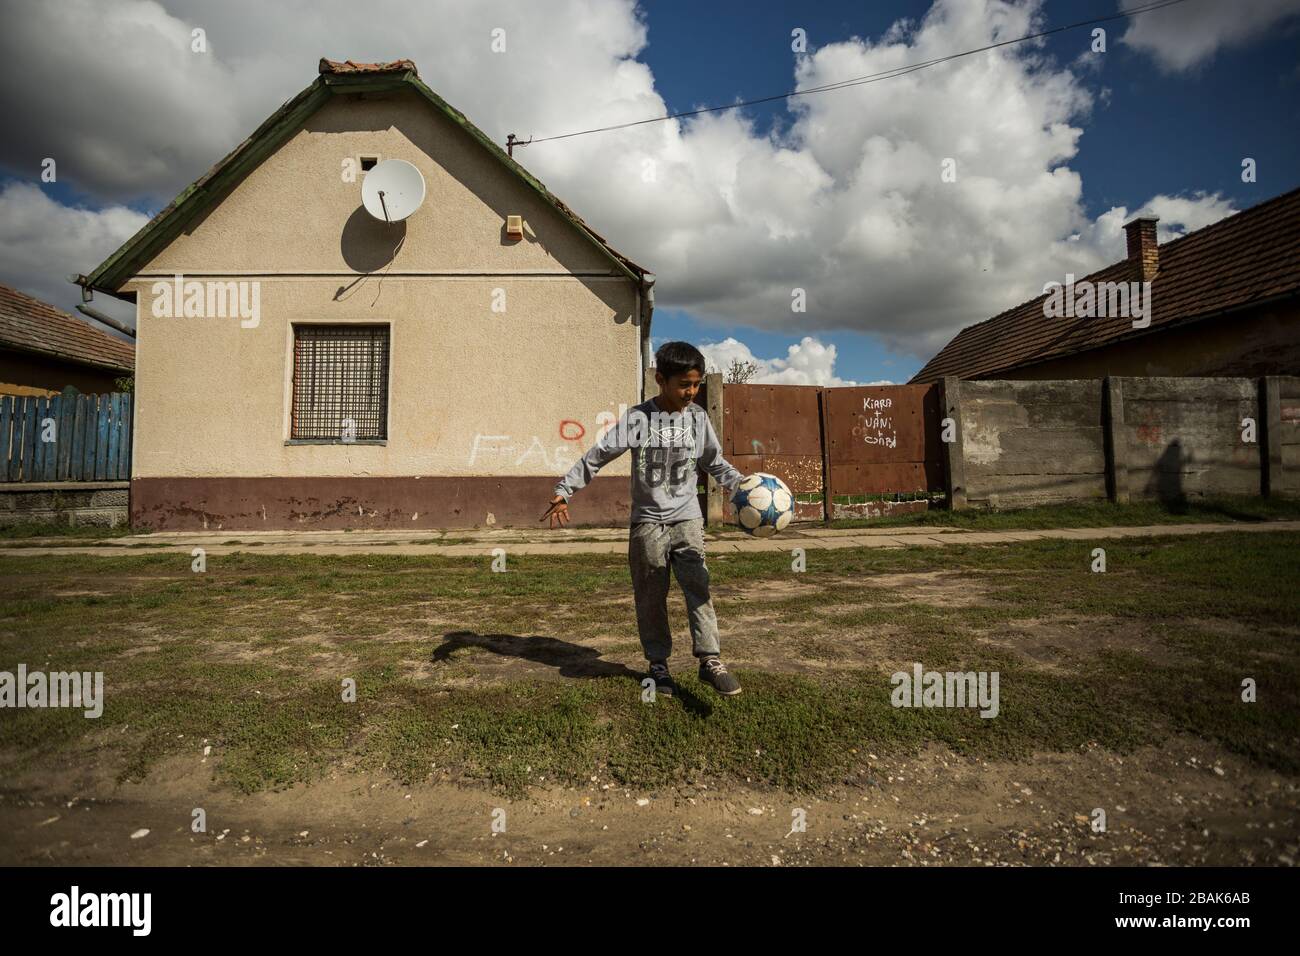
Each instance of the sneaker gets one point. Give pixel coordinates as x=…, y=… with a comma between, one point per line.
x=714, y=673
x=663, y=680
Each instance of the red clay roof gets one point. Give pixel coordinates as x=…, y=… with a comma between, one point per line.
x=351, y=66
x=1246, y=258
x=30, y=325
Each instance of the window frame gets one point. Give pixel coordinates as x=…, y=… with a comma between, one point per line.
x=291, y=390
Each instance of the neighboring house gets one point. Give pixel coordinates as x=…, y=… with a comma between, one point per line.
x=1225, y=301
x=43, y=351
x=441, y=372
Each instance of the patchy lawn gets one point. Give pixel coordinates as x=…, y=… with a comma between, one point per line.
x=532, y=677
x=1098, y=514
x=482, y=695
x=27, y=530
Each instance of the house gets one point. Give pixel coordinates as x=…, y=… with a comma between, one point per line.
x=44, y=351
x=304, y=364
x=1221, y=301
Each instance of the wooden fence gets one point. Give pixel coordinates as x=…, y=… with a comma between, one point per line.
x=70, y=437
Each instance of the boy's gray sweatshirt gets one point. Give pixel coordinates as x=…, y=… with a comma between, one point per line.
x=666, y=447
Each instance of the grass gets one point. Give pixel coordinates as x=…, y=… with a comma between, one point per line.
x=1099, y=514
x=56, y=529
x=251, y=655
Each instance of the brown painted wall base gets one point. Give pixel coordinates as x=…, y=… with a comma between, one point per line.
x=326, y=504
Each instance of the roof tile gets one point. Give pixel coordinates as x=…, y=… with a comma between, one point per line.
x=30, y=325
x=351, y=66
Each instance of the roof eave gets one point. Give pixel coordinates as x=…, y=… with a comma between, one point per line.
x=118, y=268
x=64, y=357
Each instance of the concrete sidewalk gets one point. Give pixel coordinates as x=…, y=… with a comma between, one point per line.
x=583, y=540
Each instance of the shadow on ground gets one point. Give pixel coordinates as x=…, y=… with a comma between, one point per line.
x=572, y=660
x=568, y=658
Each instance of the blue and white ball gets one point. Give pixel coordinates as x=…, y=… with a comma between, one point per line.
x=764, y=505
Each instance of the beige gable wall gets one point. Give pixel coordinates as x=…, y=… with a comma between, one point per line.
x=295, y=213
x=214, y=396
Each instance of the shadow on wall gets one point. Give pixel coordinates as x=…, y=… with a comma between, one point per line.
x=1166, y=485
x=464, y=161
x=368, y=244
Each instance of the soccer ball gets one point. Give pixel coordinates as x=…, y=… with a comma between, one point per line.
x=764, y=504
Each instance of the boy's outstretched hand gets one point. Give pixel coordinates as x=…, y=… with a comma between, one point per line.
x=558, y=512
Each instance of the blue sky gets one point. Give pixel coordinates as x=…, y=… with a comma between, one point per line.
x=1157, y=133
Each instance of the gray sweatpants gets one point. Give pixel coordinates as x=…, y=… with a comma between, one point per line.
x=652, y=548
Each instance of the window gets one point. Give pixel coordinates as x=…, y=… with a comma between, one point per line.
x=340, y=375
x=368, y=163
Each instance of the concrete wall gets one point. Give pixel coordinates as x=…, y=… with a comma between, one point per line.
x=67, y=502
x=473, y=393
x=1027, y=443
x=1021, y=443
x=1183, y=437
x=1285, y=420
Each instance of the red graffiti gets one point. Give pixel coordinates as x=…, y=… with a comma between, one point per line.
x=1149, y=433
x=567, y=433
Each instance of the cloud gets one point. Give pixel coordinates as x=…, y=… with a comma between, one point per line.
x=1178, y=216
x=845, y=202
x=112, y=92
x=810, y=362
x=44, y=241
x=1189, y=34
x=850, y=205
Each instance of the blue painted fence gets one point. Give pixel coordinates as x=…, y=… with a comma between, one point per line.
x=71, y=437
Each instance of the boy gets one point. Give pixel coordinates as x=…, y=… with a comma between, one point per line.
x=668, y=435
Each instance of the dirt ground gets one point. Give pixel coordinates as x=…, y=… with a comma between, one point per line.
x=1183, y=803
x=1186, y=802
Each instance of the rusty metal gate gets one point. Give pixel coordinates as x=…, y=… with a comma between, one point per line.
x=882, y=440
x=776, y=429
x=833, y=446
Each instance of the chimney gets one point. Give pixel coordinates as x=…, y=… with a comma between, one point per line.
x=1142, y=248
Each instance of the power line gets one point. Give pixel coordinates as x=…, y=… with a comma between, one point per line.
x=859, y=80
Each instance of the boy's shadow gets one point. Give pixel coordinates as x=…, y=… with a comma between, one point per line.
x=572, y=660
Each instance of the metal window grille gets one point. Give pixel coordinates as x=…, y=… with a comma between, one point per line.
x=340, y=373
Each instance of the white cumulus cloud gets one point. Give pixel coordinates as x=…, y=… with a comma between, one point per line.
x=808, y=362
x=43, y=242
x=1188, y=34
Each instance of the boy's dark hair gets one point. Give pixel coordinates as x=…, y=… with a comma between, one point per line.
x=674, y=358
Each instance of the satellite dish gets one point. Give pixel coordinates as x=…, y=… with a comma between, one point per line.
x=392, y=190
